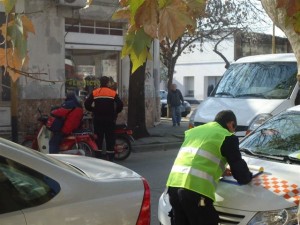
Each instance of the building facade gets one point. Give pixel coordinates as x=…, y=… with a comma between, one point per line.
x=71, y=49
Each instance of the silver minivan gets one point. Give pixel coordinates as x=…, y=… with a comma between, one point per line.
x=254, y=88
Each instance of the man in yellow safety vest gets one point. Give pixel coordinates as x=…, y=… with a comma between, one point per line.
x=200, y=163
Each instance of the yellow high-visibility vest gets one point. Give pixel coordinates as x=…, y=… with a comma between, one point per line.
x=199, y=163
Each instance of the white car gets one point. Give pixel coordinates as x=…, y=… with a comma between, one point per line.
x=272, y=197
x=66, y=189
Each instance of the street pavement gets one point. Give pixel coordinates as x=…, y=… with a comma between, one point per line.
x=162, y=137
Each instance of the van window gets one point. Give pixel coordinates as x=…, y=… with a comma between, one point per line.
x=269, y=80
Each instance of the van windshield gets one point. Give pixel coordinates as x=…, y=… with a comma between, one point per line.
x=269, y=80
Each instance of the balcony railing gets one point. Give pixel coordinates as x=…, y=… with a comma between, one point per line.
x=94, y=27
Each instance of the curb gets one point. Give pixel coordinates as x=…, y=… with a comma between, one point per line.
x=156, y=147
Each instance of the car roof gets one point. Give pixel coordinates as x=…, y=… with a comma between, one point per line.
x=283, y=57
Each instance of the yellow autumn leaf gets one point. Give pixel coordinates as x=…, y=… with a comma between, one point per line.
x=138, y=61
x=27, y=25
x=173, y=20
x=12, y=62
x=3, y=29
x=147, y=17
x=3, y=60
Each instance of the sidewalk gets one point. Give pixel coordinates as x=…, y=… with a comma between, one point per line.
x=162, y=137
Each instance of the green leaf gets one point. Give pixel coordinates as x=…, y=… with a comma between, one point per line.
x=141, y=41
x=18, y=40
x=134, y=5
x=127, y=48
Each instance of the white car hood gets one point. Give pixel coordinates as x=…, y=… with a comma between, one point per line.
x=97, y=169
x=245, y=109
x=276, y=188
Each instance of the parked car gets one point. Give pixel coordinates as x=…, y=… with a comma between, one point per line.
x=254, y=88
x=36, y=188
x=273, y=195
x=185, y=108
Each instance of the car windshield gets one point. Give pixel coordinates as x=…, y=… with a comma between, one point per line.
x=278, y=137
x=268, y=80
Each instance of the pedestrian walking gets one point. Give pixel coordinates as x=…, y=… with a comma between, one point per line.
x=200, y=163
x=105, y=105
x=175, y=100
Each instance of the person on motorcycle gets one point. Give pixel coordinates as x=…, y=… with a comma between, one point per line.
x=105, y=104
x=72, y=112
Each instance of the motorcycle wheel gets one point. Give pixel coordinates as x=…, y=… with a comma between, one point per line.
x=88, y=151
x=122, y=148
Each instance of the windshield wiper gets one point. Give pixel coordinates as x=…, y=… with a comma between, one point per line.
x=224, y=93
x=259, y=95
x=260, y=154
x=268, y=156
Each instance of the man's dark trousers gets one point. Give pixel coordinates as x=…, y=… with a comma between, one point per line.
x=106, y=129
x=189, y=209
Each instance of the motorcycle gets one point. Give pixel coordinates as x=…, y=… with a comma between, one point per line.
x=80, y=142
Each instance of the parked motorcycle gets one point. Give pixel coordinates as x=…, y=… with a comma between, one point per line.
x=80, y=142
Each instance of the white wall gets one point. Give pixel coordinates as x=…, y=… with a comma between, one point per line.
x=201, y=65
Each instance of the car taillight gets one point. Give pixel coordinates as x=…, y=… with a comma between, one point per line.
x=145, y=212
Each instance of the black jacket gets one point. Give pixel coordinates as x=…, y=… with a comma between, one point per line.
x=174, y=98
x=104, y=103
x=239, y=169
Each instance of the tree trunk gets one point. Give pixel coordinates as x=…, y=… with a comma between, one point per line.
x=136, y=103
x=278, y=16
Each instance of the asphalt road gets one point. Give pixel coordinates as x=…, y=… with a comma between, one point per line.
x=155, y=167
